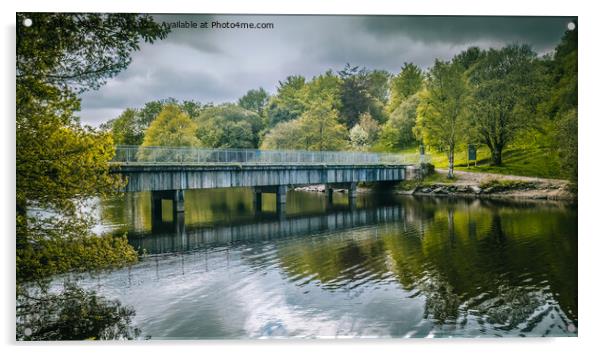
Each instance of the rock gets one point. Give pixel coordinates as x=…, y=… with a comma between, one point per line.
x=488, y=190
x=475, y=189
x=425, y=190
x=440, y=190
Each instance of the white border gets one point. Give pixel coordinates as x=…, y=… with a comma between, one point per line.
x=589, y=130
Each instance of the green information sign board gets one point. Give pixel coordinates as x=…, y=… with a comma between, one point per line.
x=472, y=152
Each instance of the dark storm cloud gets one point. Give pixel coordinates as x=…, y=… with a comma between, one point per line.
x=539, y=32
x=221, y=65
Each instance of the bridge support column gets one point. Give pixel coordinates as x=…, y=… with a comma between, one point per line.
x=352, y=194
x=257, y=200
x=352, y=191
x=281, y=195
x=280, y=192
x=178, y=201
x=177, y=198
x=329, y=193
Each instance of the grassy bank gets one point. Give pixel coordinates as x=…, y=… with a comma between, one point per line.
x=517, y=160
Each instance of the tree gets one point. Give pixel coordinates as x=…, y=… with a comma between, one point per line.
x=317, y=129
x=285, y=136
x=321, y=129
x=365, y=133
x=561, y=105
x=361, y=91
x=398, y=132
x=228, y=126
x=326, y=88
x=59, y=163
x=125, y=128
x=442, y=117
x=288, y=103
x=255, y=101
x=405, y=84
x=171, y=128
x=506, y=89
x=359, y=138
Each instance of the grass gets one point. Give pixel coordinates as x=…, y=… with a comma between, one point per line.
x=516, y=160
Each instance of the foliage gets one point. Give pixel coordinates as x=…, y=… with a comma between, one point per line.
x=288, y=103
x=80, y=50
x=172, y=128
x=255, y=101
x=60, y=164
x=126, y=129
x=284, y=136
x=71, y=314
x=506, y=88
x=361, y=91
x=228, y=126
x=567, y=143
x=359, y=138
x=325, y=87
x=397, y=132
x=365, y=133
x=442, y=114
x=561, y=107
x=404, y=85
x=317, y=129
x=321, y=130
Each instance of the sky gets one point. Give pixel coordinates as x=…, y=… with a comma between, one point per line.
x=220, y=65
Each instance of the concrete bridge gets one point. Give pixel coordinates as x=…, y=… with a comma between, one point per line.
x=168, y=172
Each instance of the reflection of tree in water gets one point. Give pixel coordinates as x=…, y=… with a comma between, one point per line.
x=464, y=258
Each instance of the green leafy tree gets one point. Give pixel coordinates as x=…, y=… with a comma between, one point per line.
x=171, y=128
x=228, y=126
x=398, y=132
x=442, y=114
x=285, y=136
x=561, y=105
x=317, y=129
x=361, y=91
x=288, y=103
x=326, y=88
x=191, y=107
x=507, y=87
x=468, y=57
x=255, y=101
x=125, y=129
x=322, y=131
x=405, y=84
x=59, y=163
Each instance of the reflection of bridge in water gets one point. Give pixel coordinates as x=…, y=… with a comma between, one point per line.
x=176, y=236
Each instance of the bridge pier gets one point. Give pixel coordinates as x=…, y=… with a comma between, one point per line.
x=177, y=198
x=280, y=192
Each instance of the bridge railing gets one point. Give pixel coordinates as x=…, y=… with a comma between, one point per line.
x=179, y=155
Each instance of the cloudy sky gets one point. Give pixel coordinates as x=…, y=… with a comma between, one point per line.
x=220, y=65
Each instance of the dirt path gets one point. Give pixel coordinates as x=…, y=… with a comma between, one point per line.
x=475, y=178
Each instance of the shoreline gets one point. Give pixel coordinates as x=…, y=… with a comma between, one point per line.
x=477, y=186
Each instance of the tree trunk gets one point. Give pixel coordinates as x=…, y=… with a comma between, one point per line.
x=450, y=171
x=496, y=156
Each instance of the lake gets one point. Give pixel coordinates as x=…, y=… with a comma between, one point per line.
x=383, y=266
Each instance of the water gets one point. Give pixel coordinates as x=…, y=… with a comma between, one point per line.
x=386, y=266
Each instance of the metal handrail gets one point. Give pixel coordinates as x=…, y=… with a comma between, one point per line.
x=180, y=155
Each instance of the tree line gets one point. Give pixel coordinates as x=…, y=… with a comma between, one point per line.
x=490, y=97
